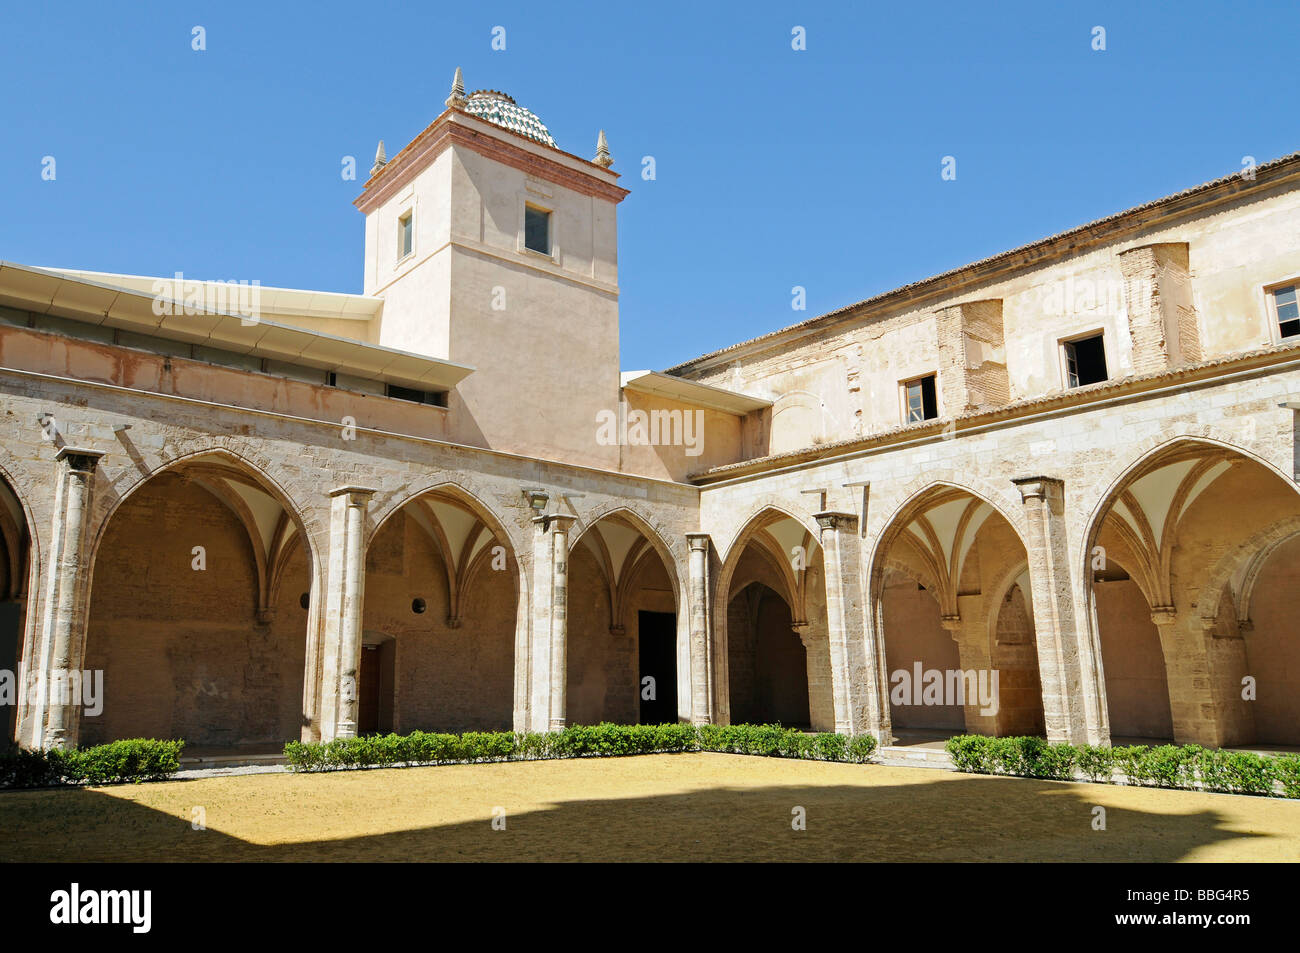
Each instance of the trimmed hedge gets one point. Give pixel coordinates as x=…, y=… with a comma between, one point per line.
x=1190, y=767
x=134, y=759
x=575, y=741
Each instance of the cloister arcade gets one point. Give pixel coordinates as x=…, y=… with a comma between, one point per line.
x=1190, y=583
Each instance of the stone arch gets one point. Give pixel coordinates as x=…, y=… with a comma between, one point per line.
x=966, y=549
x=471, y=491
x=918, y=496
x=1192, y=517
x=220, y=679
x=17, y=597
x=1242, y=565
x=672, y=555
x=790, y=583
x=623, y=627
x=460, y=492
x=276, y=485
x=456, y=669
x=1149, y=451
x=746, y=527
x=24, y=491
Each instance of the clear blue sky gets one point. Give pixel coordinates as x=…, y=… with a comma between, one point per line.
x=775, y=168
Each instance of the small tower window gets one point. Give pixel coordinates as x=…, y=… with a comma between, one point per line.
x=920, y=401
x=1085, y=361
x=405, y=235
x=537, y=230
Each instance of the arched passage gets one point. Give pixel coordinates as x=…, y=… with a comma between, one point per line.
x=777, y=651
x=198, y=614
x=623, y=625
x=950, y=585
x=1176, y=555
x=439, y=617
x=15, y=568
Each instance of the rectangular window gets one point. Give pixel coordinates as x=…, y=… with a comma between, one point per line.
x=1288, y=313
x=537, y=230
x=405, y=235
x=922, y=404
x=1085, y=361
x=435, y=397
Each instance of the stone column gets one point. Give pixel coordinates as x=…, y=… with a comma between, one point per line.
x=1203, y=675
x=550, y=629
x=1067, y=655
x=345, y=584
x=703, y=684
x=55, y=718
x=970, y=631
x=821, y=702
x=857, y=691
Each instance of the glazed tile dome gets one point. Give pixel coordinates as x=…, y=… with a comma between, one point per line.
x=501, y=110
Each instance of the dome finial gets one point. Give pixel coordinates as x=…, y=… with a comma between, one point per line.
x=457, y=97
x=603, y=158
x=381, y=159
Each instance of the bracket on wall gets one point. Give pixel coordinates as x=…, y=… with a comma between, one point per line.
x=866, y=493
x=820, y=492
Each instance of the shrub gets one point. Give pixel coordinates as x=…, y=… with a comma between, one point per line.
x=575, y=741
x=971, y=753
x=134, y=759
x=22, y=768
x=1131, y=762
x=1236, y=772
x=860, y=748
x=1096, y=762
x=1286, y=768
x=1172, y=766
x=830, y=747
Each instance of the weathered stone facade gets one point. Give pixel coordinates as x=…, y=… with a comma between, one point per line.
x=250, y=555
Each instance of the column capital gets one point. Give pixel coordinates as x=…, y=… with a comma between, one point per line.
x=835, y=519
x=79, y=459
x=699, y=542
x=1164, y=615
x=356, y=494
x=554, y=521
x=1037, y=487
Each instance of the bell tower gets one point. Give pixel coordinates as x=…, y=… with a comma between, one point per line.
x=492, y=247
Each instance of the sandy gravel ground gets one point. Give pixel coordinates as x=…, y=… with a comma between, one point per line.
x=650, y=808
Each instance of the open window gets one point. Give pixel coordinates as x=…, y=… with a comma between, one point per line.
x=920, y=399
x=1286, y=310
x=1085, y=360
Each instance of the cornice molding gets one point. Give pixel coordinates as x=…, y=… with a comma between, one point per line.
x=453, y=128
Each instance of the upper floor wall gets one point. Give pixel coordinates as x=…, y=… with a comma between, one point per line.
x=1181, y=281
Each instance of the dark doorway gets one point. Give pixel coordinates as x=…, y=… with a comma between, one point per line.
x=657, y=632
x=368, y=703
x=11, y=623
x=768, y=662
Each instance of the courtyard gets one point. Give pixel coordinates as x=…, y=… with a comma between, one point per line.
x=683, y=807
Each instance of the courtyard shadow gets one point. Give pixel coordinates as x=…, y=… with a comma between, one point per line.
x=963, y=818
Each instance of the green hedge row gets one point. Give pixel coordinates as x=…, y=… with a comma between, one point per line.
x=1164, y=766
x=134, y=759
x=575, y=741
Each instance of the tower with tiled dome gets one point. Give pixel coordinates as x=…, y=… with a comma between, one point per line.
x=494, y=247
